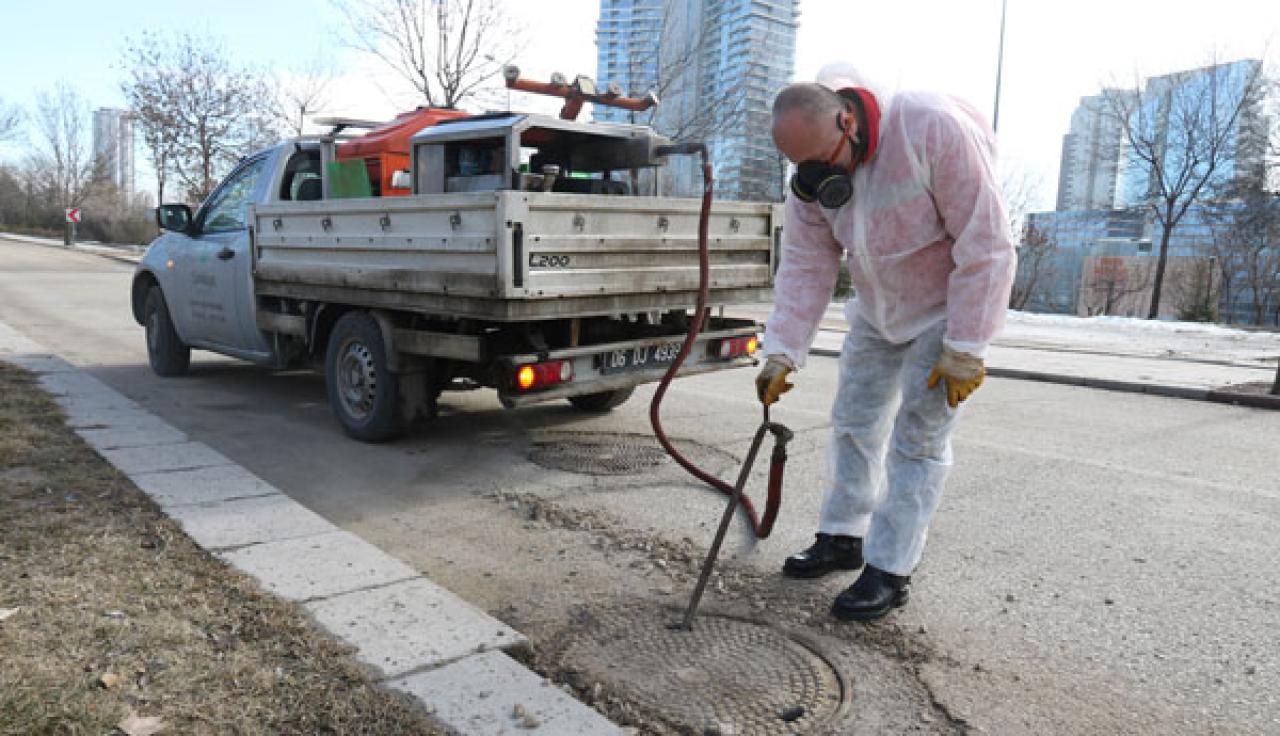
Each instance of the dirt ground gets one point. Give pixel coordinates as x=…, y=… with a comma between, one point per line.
x=109, y=612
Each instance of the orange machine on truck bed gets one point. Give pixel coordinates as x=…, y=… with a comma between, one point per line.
x=385, y=149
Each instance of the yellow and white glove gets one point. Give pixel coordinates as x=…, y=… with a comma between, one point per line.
x=962, y=372
x=771, y=383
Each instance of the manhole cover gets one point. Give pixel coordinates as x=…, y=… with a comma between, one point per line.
x=727, y=674
x=605, y=453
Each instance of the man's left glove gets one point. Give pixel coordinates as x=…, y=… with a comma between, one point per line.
x=962, y=372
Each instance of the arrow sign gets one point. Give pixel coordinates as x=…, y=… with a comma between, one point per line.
x=73, y=214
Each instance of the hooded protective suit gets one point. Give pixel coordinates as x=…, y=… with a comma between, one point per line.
x=926, y=240
x=925, y=236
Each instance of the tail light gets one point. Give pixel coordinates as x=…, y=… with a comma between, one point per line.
x=737, y=347
x=543, y=375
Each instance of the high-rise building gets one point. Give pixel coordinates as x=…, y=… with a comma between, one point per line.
x=716, y=66
x=1091, y=153
x=1179, y=113
x=113, y=148
x=1099, y=170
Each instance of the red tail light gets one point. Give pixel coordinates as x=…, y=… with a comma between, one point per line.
x=737, y=347
x=543, y=375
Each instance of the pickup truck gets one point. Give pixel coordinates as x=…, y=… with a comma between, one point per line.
x=519, y=258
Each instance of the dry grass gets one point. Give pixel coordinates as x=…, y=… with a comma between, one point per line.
x=107, y=585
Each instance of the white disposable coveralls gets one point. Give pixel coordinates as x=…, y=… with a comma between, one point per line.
x=926, y=240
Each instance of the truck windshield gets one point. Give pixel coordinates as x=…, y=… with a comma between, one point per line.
x=228, y=207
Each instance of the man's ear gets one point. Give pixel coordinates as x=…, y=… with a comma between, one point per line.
x=849, y=123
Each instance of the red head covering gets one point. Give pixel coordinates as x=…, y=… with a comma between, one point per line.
x=864, y=99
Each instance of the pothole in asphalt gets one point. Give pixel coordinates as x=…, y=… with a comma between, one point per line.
x=725, y=676
x=607, y=453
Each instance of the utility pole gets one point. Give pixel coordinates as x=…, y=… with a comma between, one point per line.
x=995, y=115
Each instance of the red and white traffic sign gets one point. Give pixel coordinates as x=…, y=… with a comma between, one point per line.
x=73, y=214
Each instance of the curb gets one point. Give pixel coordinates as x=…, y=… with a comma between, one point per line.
x=410, y=634
x=1255, y=401
x=103, y=251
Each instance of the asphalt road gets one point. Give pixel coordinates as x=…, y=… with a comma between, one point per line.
x=1101, y=562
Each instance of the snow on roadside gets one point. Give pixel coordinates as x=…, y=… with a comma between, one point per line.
x=1127, y=335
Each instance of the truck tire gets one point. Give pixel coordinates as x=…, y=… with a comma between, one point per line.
x=603, y=401
x=165, y=350
x=363, y=392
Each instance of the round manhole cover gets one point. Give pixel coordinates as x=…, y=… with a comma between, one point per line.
x=726, y=675
x=605, y=453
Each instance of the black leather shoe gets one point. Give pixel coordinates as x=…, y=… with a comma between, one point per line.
x=828, y=554
x=875, y=593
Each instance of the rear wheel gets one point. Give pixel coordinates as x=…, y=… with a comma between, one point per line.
x=363, y=392
x=165, y=350
x=602, y=401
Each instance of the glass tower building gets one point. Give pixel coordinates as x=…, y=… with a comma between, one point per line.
x=113, y=148
x=715, y=66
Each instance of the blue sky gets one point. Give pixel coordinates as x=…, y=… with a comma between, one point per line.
x=1056, y=50
x=82, y=42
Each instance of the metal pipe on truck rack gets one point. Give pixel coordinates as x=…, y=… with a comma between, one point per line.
x=582, y=89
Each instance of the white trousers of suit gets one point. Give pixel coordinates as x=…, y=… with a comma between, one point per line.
x=890, y=448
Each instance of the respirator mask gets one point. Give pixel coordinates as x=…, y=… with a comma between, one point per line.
x=825, y=182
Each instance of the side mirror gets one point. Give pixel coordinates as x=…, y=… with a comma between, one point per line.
x=175, y=217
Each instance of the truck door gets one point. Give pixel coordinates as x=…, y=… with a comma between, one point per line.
x=216, y=264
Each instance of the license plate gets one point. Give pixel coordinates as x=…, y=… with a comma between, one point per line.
x=634, y=359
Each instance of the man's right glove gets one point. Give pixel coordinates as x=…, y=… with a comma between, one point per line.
x=771, y=384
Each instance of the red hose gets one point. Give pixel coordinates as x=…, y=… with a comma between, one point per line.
x=704, y=277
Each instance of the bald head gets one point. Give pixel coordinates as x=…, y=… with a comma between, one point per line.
x=808, y=99
x=804, y=128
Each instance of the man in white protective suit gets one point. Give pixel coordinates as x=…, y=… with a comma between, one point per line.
x=904, y=188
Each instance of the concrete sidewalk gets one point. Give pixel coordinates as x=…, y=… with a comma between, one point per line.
x=1178, y=378
x=115, y=251
x=411, y=634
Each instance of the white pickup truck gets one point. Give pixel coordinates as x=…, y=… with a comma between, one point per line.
x=521, y=261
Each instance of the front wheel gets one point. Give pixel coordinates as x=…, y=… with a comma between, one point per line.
x=363, y=392
x=603, y=401
x=165, y=350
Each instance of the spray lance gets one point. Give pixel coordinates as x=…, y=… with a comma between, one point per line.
x=761, y=526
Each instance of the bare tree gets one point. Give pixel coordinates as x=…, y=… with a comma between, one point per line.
x=1020, y=188
x=63, y=156
x=1036, y=267
x=1247, y=250
x=10, y=122
x=445, y=48
x=1111, y=283
x=150, y=91
x=199, y=111
x=1181, y=132
x=302, y=91
x=1194, y=289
